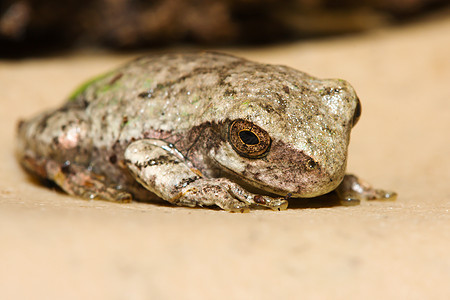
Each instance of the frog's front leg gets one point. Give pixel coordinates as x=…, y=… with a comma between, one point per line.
x=353, y=189
x=163, y=170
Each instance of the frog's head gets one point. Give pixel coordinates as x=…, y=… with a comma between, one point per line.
x=292, y=140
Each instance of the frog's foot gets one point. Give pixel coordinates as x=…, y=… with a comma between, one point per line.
x=79, y=181
x=225, y=194
x=163, y=170
x=352, y=190
x=206, y=192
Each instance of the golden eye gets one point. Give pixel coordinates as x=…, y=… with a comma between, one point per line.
x=248, y=140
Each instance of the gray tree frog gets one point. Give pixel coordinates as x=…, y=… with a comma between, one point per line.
x=200, y=129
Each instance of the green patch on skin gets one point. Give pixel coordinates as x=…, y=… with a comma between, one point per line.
x=85, y=85
x=108, y=88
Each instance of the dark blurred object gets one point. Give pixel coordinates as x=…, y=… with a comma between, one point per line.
x=30, y=27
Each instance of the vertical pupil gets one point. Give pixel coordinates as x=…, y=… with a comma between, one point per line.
x=248, y=137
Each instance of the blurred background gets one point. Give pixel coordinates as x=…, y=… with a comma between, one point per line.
x=39, y=27
x=394, y=52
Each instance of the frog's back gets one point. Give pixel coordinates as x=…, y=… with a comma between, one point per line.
x=153, y=96
x=168, y=93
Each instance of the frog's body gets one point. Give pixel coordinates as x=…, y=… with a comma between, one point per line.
x=197, y=129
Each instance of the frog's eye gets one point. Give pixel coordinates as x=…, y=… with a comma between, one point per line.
x=248, y=140
x=357, y=113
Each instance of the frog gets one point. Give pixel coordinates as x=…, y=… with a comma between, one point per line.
x=200, y=129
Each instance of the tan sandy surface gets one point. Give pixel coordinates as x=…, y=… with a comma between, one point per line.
x=53, y=246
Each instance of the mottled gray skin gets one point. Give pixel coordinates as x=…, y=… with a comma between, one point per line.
x=159, y=127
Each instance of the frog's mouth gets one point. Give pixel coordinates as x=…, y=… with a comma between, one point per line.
x=257, y=187
x=284, y=171
x=252, y=185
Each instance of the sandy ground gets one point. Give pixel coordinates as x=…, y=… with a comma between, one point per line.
x=53, y=246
